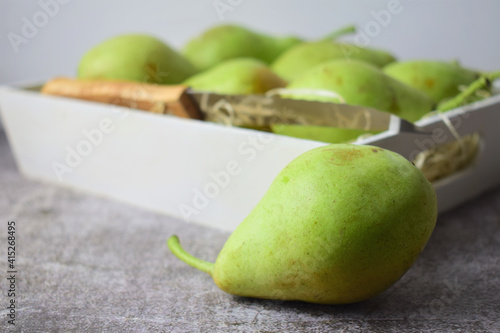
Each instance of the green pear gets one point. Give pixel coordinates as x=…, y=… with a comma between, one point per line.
x=359, y=83
x=225, y=42
x=236, y=76
x=298, y=59
x=471, y=93
x=439, y=79
x=320, y=133
x=135, y=57
x=339, y=224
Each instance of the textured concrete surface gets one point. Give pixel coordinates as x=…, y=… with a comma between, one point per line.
x=91, y=265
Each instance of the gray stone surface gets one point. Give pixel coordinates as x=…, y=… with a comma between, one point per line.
x=91, y=265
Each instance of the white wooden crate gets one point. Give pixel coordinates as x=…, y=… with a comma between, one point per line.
x=199, y=171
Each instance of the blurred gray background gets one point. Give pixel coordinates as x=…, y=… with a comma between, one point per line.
x=40, y=39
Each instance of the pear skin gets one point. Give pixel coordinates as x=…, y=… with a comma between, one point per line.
x=237, y=76
x=360, y=83
x=320, y=133
x=135, y=57
x=299, y=58
x=439, y=79
x=224, y=42
x=339, y=224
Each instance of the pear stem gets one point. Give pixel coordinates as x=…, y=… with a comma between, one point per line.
x=339, y=33
x=484, y=81
x=494, y=75
x=175, y=246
